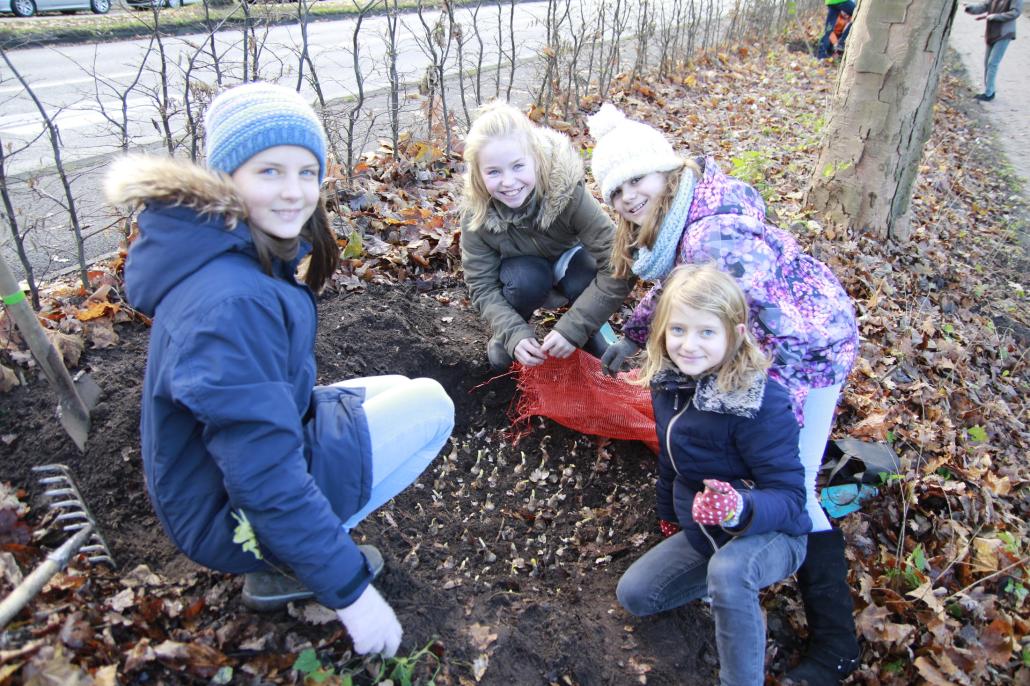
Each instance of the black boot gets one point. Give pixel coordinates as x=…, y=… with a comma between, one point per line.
x=833, y=651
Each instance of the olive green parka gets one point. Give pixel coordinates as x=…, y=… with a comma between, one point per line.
x=568, y=215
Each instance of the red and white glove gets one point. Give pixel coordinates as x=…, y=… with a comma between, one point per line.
x=371, y=623
x=718, y=504
x=668, y=528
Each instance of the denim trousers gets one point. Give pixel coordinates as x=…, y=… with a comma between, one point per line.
x=673, y=573
x=819, y=409
x=527, y=280
x=832, y=12
x=409, y=420
x=992, y=60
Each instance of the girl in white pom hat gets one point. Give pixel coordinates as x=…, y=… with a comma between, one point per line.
x=675, y=211
x=531, y=231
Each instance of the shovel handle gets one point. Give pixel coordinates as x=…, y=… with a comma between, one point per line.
x=47, y=357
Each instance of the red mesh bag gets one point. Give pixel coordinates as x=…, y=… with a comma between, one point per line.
x=575, y=393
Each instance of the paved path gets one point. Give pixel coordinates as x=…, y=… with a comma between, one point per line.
x=1010, y=110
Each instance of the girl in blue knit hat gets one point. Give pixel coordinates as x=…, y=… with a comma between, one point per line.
x=233, y=427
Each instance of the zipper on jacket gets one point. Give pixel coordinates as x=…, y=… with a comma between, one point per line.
x=711, y=540
x=668, y=431
x=672, y=459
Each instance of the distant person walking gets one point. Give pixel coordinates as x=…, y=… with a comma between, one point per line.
x=1000, y=16
x=834, y=8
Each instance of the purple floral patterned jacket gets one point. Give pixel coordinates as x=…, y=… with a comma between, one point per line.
x=800, y=314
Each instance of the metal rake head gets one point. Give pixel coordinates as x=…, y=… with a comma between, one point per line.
x=71, y=509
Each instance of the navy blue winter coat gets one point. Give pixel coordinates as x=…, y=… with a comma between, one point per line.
x=748, y=438
x=228, y=388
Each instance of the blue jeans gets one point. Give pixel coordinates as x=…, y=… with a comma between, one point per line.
x=672, y=574
x=527, y=280
x=832, y=12
x=992, y=59
x=409, y=420
x=819, y=409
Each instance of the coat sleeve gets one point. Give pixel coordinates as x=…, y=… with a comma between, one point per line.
x=976, y=8
x=237, y=385
x=638, y=327
x=769, y=446
x=482, y=268
x=1015, y=9
x=595, y=231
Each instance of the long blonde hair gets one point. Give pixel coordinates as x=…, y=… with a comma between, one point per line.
x=705, y=288
x=629, y=237
x=495, y=120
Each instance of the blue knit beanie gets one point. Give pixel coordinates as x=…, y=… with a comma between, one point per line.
x=244, y=120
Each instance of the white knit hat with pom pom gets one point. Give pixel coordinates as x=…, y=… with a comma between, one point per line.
x=626, y=149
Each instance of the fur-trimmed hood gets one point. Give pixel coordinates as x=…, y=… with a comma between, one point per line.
x=191, y=217
x=708, y=397
x=562, y=170
x=137, y=180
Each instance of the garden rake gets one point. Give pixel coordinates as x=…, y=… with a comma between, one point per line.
x=67, y=501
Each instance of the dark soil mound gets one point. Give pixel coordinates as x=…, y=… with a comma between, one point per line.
x=525, y=543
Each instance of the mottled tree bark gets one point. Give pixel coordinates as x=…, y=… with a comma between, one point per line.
x=881, y=115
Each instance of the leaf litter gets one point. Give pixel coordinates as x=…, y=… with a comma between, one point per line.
x=496, y=548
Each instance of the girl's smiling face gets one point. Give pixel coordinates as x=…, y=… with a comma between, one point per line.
x=508, y=170
x=279, y=187
x=696, y=340
x=637, y=197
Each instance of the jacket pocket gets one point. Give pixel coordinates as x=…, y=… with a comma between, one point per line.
x=338, y=448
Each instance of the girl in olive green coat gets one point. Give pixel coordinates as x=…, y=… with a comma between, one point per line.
x=531, y=234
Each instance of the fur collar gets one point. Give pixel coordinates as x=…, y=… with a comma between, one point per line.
x=741, y=402
x=563, y=169
x=138, y=180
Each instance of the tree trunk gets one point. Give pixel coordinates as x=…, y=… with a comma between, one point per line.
x=881, y=115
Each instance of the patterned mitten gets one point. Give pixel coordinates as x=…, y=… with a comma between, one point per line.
x=718, y=504
x=668, y=528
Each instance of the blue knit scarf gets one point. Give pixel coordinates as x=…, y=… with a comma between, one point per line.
x=657, y=262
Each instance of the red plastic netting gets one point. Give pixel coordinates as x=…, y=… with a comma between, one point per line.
x=575, y=393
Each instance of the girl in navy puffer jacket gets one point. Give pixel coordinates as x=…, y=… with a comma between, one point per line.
x=729, y=472
x=232, y=425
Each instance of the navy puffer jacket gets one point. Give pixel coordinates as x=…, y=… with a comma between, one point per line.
x=748, y=438
x=227, y=399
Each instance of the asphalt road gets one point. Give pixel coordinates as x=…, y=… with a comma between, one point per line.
x=82, y=88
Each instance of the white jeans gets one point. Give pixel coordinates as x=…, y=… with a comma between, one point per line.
x=819, y=409
x=409, y=420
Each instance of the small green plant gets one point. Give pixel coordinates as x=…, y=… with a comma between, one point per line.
x=894, y=666
x=751, y=166
x=400, y=671
x=1011, y=544
x=888, y=478
x=1017, y=589
x=977, y=434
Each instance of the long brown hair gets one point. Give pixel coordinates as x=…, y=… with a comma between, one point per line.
x=705, y=288
x=629, y=237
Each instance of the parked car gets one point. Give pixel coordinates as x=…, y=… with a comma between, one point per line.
x=27, y=8
x=147, y=4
